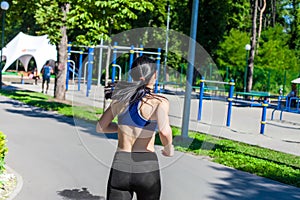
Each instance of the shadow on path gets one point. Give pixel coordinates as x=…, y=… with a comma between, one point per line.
x=31, y=111
x=78, y=194
x=239, y=185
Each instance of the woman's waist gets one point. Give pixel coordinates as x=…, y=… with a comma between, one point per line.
x=133, y=143
x=135, y=157
x=135, y=162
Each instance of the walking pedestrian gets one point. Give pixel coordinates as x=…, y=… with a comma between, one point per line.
x=46, y=73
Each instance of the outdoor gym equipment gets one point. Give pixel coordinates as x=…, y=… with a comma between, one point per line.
x=132, y=50
x=88, y=67
x=230, y=101
x=73, y=69
x=288, y=106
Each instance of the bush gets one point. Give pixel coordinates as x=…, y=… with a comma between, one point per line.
x=3, y=151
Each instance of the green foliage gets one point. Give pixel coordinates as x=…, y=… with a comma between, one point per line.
x=253, y=159
x=20, y=17
x=223, y=30
x=88, y=21
x=49, y=16
x=274, y=44
x=232, y=54
x=217, y=18
x=239, y=15
x=3, y=151
x=274, y=57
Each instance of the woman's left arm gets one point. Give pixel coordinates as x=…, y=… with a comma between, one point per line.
x=105, y=124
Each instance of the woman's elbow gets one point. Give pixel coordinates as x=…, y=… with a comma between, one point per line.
x=100, y=128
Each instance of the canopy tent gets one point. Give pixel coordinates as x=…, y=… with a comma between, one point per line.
x=24, y=47
x=297, y=80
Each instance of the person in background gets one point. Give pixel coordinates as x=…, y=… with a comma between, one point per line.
x=36, y=76
x=140, y=112
x=46, y=73
x=293, y=93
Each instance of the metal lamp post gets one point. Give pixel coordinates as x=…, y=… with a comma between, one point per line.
x=247, y=48
x=167, y=41
x=4, y=7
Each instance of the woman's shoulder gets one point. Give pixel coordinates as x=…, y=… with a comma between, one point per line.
x=117, y=106
x=158, y=99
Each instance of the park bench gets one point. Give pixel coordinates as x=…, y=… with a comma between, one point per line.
x=255, y=97
x=211, y=90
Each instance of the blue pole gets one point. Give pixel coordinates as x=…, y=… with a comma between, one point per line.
x=130, y=61
x=191, y=60
x=157, y=69
x=201, y=98
x=68, y=65
x=90, y=69
x=263, y=117
x=230, y=99
x=141, y=49
x=114, y=63
x=281, y=115
x=80, y=70
x=287, y=103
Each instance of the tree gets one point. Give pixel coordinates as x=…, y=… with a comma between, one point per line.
x=20, y=18
x=274, y=57
x=85, y=25
x=295, y=26
x=231, y=54
x=262, y=9
x=60, y=78
x=254, y=4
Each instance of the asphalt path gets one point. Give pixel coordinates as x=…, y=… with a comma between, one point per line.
x=245, y=121
x=64, y=158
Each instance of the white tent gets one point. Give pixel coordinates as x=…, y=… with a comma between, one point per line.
x=297, y=80
x=24, y=47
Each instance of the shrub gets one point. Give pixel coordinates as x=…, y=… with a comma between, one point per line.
x=3, y=151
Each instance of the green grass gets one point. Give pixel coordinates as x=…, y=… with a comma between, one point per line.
x=263, y=162
x=48, y=103
x=9, y=73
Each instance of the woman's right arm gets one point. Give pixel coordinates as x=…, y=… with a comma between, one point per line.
x=165, y=131
x=105, y=124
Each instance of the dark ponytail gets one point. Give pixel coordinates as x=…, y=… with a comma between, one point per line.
x=143, y=69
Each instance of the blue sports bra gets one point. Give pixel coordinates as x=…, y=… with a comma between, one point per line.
x=132, y=117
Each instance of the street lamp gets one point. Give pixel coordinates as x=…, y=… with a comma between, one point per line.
x=4, y=7
x=167, y=41
x=247, y=48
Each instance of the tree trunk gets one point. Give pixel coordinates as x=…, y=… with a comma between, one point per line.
x=273, y=12
x=294, y=30
x=262, y=10
x=253, y=45
x=60, y=87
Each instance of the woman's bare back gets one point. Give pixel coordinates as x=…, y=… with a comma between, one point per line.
x=136, y=139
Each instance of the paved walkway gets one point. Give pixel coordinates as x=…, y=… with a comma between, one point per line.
x=279, y=135
x=60, y=158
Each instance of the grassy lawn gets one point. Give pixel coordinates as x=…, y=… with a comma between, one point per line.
x=263, y=162
x=48, y=103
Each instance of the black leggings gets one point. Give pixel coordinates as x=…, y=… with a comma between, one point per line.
x=134, y=172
